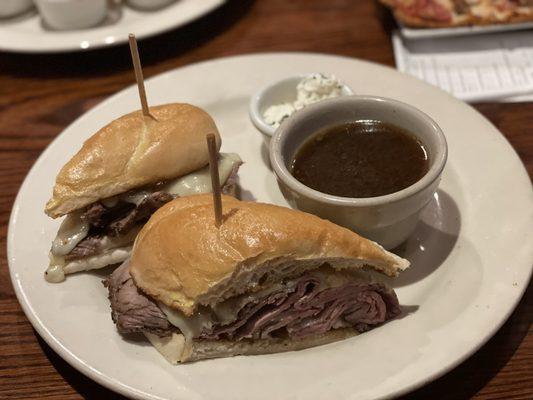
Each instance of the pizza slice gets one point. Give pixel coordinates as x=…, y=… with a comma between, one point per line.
x=486, y=12
x=524, y=11
x=430, y=13
x=451, y=13
x=492, y=11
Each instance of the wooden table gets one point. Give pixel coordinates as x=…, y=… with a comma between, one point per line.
x=42, y=94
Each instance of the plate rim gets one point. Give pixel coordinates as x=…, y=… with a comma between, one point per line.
x=12, y=47
x=129, y=391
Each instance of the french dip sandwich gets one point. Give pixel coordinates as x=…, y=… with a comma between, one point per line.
x=269, y=279
x=122, y=175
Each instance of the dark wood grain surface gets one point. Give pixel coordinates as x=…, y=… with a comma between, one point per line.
x=41, y=94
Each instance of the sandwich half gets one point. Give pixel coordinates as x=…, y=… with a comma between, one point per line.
x=122, y=175
x=269, y=279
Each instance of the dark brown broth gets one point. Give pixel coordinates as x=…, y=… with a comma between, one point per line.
x=360, y=159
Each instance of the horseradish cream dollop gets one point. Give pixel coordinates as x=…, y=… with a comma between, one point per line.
x=312, y=88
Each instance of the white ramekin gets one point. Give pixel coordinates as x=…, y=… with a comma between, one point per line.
x=282, y=91
x=387, y=219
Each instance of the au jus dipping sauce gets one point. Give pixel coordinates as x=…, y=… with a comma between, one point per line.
x=360, y=159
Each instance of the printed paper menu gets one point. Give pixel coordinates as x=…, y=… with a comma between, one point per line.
x=474, y=68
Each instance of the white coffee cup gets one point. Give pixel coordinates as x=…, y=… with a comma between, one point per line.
x=72, y=14
x=10, y=8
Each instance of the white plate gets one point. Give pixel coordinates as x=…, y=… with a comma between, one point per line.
x=421, y=33
x=471, y=253
x=26, y=33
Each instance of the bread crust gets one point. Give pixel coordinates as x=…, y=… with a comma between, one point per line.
x=176, y=350
x=180, y=257
x=132, y=151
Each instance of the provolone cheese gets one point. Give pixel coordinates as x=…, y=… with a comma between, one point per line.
x=189, y=326
x=108, y=257
x=54, y=273
x=72, y=231
x=57, y=269
x=136, y=197
x=173, y=347
x=200, y=181
x=113, y=250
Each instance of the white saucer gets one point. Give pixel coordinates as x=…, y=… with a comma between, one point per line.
x=27, y=34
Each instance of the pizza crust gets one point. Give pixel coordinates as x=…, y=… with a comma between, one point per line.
x=417, y=22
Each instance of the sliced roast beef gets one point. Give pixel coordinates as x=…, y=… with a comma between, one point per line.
x=140, y=213
x=94, y=214
x=114, y=221
x=86, y=248
x=131, y=310
x=121, y=217
x=230, y=186
x=306, y=309
x=296, y=309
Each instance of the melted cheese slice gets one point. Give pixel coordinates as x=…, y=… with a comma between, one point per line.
x=200, y=181
x=189, y=326
x=173, y=347
x=113, y=250
x=72, y=231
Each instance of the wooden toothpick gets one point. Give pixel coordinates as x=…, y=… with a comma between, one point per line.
x=139, y=74
x=215, y=179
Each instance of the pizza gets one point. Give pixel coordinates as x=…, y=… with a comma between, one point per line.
x=449, y=13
